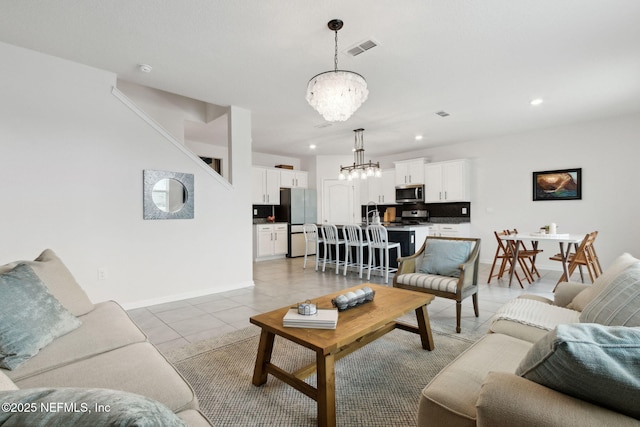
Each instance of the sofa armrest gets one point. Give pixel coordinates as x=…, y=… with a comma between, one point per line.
x=506, y=400
x=566, y=291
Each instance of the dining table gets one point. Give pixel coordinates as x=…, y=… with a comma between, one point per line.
x=568, y=240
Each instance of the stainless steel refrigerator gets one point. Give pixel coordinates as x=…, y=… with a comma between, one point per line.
x=298, y=206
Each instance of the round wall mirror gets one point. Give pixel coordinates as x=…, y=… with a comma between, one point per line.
x=169, y=195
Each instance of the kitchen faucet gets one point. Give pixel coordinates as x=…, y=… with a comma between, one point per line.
x=374, y=211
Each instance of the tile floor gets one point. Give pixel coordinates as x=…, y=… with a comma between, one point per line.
x=284, y=281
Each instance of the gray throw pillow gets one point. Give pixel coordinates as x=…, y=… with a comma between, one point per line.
x=58, y=280
x=30, y=317
x=596, y=363
x=443, y=257
x=78, y=407
x=619, y=303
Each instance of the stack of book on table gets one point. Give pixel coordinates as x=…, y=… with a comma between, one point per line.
x=323, y=319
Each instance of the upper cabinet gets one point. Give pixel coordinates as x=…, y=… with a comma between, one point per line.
x=266, y=186
x=293, y=179
x=410, y=172
x=447, y=181
x=379, y=190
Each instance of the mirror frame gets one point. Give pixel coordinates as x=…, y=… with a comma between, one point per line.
x=150, y=210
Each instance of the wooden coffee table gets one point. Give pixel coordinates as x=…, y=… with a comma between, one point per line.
x=356, y=328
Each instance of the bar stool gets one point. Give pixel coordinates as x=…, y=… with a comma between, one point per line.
x=330, y=238
x=354, y=240
x=310, y=232
x=378, y=239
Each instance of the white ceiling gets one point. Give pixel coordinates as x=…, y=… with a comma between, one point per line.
x=481, y=61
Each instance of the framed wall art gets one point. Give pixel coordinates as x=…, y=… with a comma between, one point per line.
x=563, y=184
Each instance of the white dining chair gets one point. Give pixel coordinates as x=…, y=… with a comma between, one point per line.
x=378, y=238
x=355, y=241
x=330, y=238
x=311, y=237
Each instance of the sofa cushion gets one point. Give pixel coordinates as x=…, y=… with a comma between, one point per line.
x=85, y=407
x=137, y=368
x=581, y=300
x=619, y=303
x=6, y=383
x=59, y=280
x=450, y=398
x=429, y=281
x=105, y=328
x=30, y=317
x=443, y=257
x=592, y=362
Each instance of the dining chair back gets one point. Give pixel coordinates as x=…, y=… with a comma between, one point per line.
x=585, y=255
x=331, y=238
x=355, y=242
x=528, y=254
x=311, y=239
x=504, y=253
x=378, y=238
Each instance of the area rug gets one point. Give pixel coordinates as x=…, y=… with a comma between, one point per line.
x=378, y=385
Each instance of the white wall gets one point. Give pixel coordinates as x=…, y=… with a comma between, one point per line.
x=501, y=171
x=271, y=160
x=71, y=162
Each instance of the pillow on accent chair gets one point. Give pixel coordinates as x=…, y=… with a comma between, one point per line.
x=592, y=362
x=619, y=303
x=86, y=407
x=443, y=257
x=58, y=280
x=30, y=317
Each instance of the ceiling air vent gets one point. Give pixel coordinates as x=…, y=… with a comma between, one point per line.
x=361, y=47
x=322, y=125
x=442, y=113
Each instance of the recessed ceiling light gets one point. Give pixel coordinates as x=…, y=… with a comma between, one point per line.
x=145, y=68
x=537, y=101
x=312, y=146
x=419, y=137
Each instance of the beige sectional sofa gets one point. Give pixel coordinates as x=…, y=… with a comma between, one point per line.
x=490, y=384
x=106, y=351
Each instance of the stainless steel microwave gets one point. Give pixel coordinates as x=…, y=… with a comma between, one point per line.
x=409, y=193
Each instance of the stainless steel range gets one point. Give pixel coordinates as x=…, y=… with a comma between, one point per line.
x=418, y=216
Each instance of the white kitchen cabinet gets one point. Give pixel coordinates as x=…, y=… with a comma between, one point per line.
x=380, y=190
x=293, y=179
x=410, y=172
x=450, y=230
x=447, y=181
x=270, y=241
x=266, y=186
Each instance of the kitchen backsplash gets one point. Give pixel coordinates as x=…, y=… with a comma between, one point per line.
x=261, y=212
x=438, y=212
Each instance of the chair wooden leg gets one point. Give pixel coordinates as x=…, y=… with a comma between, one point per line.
x=458, y=315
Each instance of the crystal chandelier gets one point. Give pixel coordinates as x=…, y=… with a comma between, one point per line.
x=336, y=94
x=359, y=169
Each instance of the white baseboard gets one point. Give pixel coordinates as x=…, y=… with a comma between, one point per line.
x=187, y=295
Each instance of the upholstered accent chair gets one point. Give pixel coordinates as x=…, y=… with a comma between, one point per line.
x=445, y=267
